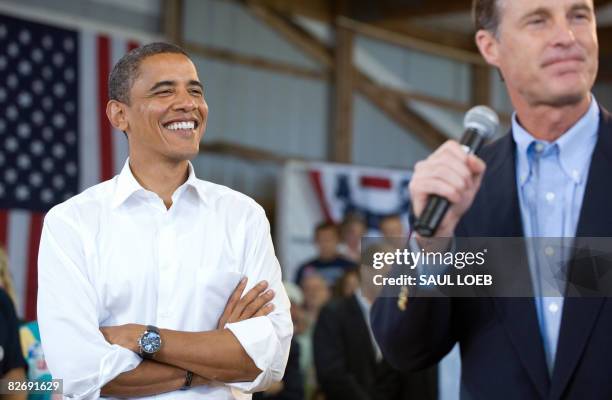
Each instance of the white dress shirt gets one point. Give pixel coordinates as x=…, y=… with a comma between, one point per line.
x=115, y=255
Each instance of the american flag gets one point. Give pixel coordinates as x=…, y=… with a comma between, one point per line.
x=55, y=139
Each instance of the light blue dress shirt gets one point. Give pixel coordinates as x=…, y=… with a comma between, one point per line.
x=551, y=180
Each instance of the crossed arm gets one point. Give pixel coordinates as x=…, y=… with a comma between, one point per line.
x=212, y=355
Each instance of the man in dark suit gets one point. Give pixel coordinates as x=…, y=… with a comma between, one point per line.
x=548, y=178
x=348, y=362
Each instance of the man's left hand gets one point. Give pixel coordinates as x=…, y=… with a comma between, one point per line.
x=124, y=335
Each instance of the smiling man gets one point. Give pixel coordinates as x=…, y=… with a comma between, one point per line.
x=140, y=277
x=549, y=177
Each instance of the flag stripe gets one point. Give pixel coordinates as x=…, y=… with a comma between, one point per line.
x=89, y=156
x=315, y=177
x=18, y=224
x=132, y=45
x=120, y=143
x=375, y=182
x=3, y=228
x=36, y=222
x=106, y=142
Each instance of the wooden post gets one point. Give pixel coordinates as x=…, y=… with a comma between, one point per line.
x=341, y=140
x=173, y=21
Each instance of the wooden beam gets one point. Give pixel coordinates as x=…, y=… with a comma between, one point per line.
x=395, y=108
x=438, y=36
x=411, y=43
x=173, y=21
x=292, y=32
x=341, y=134
x=321, y=10
x=368, y=11
x=254, y=61
x=243, y=152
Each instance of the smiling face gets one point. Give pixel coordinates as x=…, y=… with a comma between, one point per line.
x=167, y=114
x=546, y=50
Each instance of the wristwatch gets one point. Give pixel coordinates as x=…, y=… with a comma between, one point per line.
x=150, y=342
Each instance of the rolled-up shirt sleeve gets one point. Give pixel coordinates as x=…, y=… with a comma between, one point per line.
x=266, y=339
x=75, y=349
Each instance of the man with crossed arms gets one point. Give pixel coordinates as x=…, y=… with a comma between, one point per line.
x=140, y=277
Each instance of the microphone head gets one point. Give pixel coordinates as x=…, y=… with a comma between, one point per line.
x=482, y=119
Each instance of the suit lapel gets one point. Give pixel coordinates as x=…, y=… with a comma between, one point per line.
x=580, y=314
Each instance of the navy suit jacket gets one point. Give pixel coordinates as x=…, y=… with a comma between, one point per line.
x=501, y=346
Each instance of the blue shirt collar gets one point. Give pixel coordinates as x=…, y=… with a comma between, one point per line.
x=575, y=146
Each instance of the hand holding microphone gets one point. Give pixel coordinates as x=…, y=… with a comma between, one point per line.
x=444, y=185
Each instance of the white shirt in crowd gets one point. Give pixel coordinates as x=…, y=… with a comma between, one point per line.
x=115, y=255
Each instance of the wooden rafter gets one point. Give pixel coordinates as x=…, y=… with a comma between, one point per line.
x=254, y=61
x=243, y=152
x=411, y=43
x=394, y=106
x=292, y=32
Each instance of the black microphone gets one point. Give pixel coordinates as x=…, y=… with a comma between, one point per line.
x=480, y=124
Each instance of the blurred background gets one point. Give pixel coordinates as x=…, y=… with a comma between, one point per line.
x=318, y=109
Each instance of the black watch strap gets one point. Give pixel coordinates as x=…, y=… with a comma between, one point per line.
x=188, y=379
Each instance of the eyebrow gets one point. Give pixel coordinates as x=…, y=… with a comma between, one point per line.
x=173, y=83
x=545, y=11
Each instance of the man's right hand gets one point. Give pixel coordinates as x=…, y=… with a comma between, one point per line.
x=451, y=173
x=255, y=303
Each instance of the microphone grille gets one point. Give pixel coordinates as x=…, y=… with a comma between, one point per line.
x=483, y=119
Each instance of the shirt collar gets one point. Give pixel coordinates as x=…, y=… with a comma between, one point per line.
x=127, y=185
x=575, y=146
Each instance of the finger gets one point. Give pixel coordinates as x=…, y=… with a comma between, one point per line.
x=476, y=165
x=233, y=300
x=256, y=304
x=265, y=310
x=451, y=148
x=441, y=188
x=247, y=299
x=458, y=176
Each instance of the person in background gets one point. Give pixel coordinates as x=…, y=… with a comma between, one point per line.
x=12, y=364
x=6, y=280
x=352, y=229
x=328, y=263
x=291, y=387
x=348, y=362
x=347, y=284
x=316, y=295
x=393, y=231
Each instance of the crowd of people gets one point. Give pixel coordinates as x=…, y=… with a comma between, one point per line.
x=339, y=358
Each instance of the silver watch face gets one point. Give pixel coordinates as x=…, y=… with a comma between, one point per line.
x=150, y=342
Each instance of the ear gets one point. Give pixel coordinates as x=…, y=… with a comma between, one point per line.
x=116, y=113
x=489, y=46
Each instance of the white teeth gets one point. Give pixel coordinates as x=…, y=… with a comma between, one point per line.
x=181, y=125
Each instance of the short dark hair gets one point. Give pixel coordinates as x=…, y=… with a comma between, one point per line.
x=323, y=226
x=486, y=15
x=124, y=73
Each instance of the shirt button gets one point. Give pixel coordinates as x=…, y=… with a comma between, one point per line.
x=549, y=251
x=550, y=197
x=553, y=307
x=539, y=147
